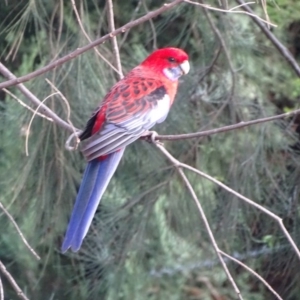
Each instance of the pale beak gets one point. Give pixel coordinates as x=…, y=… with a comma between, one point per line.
x=185, y=67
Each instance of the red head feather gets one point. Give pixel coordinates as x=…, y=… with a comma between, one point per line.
x=165, y=58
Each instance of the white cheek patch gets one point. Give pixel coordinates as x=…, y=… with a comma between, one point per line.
x=173, y=73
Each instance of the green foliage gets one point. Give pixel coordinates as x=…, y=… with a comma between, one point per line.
x=283, y=12
x=147, y=240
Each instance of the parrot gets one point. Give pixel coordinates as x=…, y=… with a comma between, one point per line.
x=131, y=107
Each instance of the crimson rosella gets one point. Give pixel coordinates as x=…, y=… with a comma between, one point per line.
x=131, y=107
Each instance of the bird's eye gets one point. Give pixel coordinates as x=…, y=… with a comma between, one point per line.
x=171, y=59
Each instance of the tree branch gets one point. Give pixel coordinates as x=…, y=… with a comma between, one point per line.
x=225, y=128
x=13, y=283
x=232, y=10
x=252, y=272
x=230, y=98
x=114, y=42
x=42, y=107
x=88, y=38
x=236, y=194
x=178, y=165
x=19, y=231
x=83, y=49
x=280, y=47
x=26, y=106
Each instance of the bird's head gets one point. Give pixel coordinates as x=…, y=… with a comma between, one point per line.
x=171, y=62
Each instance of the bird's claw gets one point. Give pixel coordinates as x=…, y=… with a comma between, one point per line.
x=150, y=137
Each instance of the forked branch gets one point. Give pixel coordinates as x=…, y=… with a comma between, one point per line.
x=179, y=166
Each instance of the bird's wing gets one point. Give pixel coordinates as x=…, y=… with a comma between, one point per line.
x=129, y=109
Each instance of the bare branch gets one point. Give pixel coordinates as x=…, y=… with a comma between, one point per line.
x=83, y=49
x=249, y=201
x=233, y=10
x=177, y=164
x=114, y=42
x=264, y=6
x=12, y=282
x=30, y=122
x=180, y=165
x=19, y=231
x=74, y=130
x=238, y=195
x=280, y=47
x=252, y=272
x=88, y=38
x=151, y=25
x=225, y=128
x=26, y=106
x=132, y=18
x=42, y=108
x=230, y=98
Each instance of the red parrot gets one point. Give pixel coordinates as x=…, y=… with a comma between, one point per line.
x=132, y=106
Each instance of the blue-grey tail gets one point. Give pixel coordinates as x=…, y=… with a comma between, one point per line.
x=96, y=178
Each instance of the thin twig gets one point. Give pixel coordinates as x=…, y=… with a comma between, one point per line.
x=19, y=231
x=132, y=18
x=220, y=38
x=151, y=25
x=42, y=108
x=12, y=282
x=225, y=128
x=114, y=41
x=249, y=201
x=280, y=47
x=177, y=164
x=238, y=195
x=78, y=51
x=15, y=45
x=233, y=10
x=252, y=272
x=68, y=109
x=230, y=98
x=88, y=38
x=264, y=6
x=212, y=238
x=26, y=106
x=31, y=120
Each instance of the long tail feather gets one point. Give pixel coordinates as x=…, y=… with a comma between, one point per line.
x=95, y=180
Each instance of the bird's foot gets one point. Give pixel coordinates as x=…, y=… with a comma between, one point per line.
x=150, y=137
